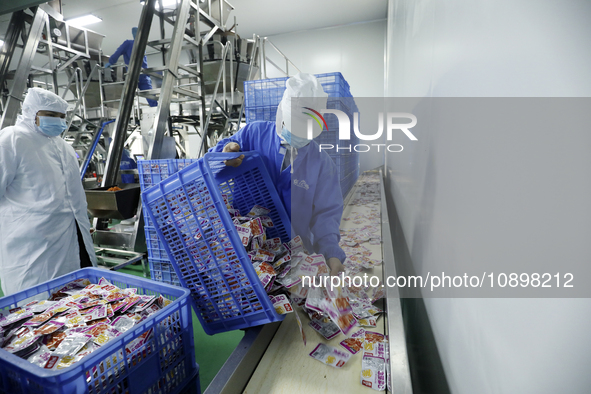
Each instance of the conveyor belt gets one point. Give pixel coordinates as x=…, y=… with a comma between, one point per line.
x=273, y=358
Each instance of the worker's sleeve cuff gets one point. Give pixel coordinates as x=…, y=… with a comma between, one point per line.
x=333, y=250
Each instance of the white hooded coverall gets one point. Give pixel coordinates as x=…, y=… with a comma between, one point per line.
x=41, y=201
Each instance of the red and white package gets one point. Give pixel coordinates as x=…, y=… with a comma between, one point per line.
x=330, y=355
x=373, y=372
x=281, y=304
x=245, y=234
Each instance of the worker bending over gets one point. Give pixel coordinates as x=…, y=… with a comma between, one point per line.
x=305, y=178
x=44, y=228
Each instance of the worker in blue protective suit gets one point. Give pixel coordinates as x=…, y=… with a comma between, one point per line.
x=144, y=83
x=44, y=227
x=305, y=178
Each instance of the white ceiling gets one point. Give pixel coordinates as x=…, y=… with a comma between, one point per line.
x=262, y=17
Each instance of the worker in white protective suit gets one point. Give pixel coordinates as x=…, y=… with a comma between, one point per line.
x=44, y=228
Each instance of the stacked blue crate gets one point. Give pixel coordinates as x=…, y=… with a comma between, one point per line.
x=152, y=172
x=263, y=96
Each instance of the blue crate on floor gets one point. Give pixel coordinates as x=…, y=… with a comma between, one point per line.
x=164, y=364
x=201, y=240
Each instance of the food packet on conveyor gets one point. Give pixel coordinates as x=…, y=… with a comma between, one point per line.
x=330, y=355
x=373, y=372
x=325, y=327
x=338, y=309
x=298, y=291
x=367, y=322
x=355, y=343
x=315, y=295
x=301, y=327
x=257, y=211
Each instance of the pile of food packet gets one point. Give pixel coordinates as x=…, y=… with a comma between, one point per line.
x=75, y=321
x=282, y=267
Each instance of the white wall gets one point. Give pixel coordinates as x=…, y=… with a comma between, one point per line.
x=502, y=48
x=356, y=51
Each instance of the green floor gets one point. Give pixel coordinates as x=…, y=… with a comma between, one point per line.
x=211, y=352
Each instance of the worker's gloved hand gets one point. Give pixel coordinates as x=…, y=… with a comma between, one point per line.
x=335, y=265
x=107, y=65
x=233, y=147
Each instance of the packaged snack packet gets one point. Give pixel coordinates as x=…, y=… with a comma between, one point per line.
x=52, y=341
x=145, y=302
x=106, y=336
x=16, y=317
x=48, y=328
x=373, y=372
x=245, y=234
x=70, y=345
x=355, y=343
x=265, y=272
x=257, y=211
x=301, y=328
x=40, y=356
x=100, y=312
x=22, y=340
x=122, y=324
x=281, y=304
x=264, y=255
x=330, y=355
x=367, y=322
x=339, y=310
x=325, y=327
x=267, y=222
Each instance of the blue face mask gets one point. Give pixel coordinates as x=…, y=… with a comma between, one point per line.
x=294, y=140
x=51, y=126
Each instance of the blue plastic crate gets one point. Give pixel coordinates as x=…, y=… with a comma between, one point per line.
x=162, y=270
x=198, y=233
x=256, y=114
x=165, y=364
x=269, y=92
x=153, y=171
x=264, y=92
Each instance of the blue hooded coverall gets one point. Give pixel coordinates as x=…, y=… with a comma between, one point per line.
x=144, y=83
x=315, y=198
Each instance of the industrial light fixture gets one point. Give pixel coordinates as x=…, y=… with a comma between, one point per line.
x=84, y=20
x=165, y=3
x=1, y=43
